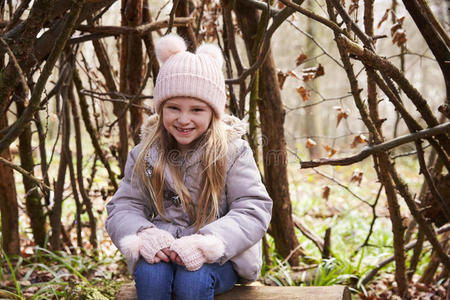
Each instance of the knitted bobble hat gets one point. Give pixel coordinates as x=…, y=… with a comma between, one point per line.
x=185, y=74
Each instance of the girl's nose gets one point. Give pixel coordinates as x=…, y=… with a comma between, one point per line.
x=183, y=118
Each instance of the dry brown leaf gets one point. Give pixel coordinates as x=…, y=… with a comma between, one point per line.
x=384, y=18
x=280, y=5
x=300, y=59
x=326, y=192
x=310, y=143
x=398, y=34
x=342, y=114
x=359, y=139
x=352, y=8
x=331, y=151
x=304, y=93
x=312, y=73
x=320, y=71
x=281, y=78
x=357, y=176
x=293, y=74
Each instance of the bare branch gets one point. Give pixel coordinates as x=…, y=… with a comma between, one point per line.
x=314, y=16
x=22, y=78
x=25, y=173
x=17, y=128
x=141, y=29
x=443, y=128
x=385, y=262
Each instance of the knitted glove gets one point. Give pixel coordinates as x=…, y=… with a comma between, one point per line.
x=152, y=240
x=195, y=250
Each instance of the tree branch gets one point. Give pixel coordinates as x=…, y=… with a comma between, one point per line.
x=385, y=262
x=25, y=173
x=141, y=29
x=19, y=125
x=442, y=128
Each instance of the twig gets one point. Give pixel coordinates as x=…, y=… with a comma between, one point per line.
x=317, y=43
x=308, y=233
x=431, y=185
x=27, y=174
x=341, y=185
x=22, y=78
x=277, y=20
x=374, y=213
x=172, y=16
x=385, y=262
x=442, y=128
x=17, y=128
x=333, y=26
x=141, y=29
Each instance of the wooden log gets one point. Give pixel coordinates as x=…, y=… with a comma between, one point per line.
x=243, y=292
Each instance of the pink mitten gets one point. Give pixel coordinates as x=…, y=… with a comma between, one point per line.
x=152, y=240
x=195, y=250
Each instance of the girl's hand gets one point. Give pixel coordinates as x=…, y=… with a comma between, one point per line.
x=175, y=258
x=153, y=245
x=194, y=250
x=162, y=255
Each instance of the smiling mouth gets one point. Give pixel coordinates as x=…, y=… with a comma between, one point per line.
x=184, y=130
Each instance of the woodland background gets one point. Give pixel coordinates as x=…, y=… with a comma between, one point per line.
x=347, y=104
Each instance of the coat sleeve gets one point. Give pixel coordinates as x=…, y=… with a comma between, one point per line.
x=249, y=204
x=129, y=210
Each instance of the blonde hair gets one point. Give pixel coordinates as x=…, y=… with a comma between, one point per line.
x=214, y=148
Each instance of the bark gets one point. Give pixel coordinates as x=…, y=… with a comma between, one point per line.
x=8, y=203
x=133, y=13
x=56, y=210
x=187, y=33
x=434, y=41
x=21, y=43
x=148, y=41
x=274, y=150
x=34, y=207
x=34, y=104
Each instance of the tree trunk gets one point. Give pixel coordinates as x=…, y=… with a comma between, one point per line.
x=186, y=32
x=8, y=203
x=274, y=149
x=132, y=16
x=33, y=199
x=55, y=215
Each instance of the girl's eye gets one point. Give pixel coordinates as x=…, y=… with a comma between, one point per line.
x=198, y=109
x=172, y=107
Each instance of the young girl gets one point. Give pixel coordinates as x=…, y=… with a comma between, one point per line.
x=191, y=210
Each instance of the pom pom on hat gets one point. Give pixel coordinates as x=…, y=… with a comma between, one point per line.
x=169, y=45
x=211, y=50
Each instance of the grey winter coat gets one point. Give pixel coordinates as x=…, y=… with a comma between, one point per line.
x=245, y=207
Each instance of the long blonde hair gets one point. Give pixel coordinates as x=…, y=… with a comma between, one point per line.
x=214, y=148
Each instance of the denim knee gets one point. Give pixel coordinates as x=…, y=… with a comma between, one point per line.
x=202, y=284
x=153, y=281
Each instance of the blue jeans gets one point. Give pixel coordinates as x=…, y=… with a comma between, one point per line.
x=159, y=281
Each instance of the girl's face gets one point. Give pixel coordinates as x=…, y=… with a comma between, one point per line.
x=186, y=119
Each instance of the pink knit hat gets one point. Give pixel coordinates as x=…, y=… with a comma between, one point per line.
x=185, y=74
